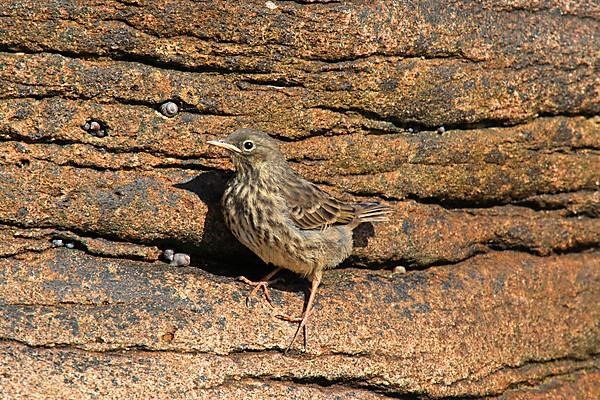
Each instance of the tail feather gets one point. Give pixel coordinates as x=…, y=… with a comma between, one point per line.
x=371, y=212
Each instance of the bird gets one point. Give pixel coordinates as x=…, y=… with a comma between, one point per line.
x=286, y=220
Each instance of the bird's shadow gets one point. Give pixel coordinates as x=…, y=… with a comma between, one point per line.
x=222, y=253
x=362, y=234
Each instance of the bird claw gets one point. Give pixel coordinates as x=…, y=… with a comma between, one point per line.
x=289, y=318
x=301, y=327
x=257, y=285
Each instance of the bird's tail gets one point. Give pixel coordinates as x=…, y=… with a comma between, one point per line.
x=371, y=212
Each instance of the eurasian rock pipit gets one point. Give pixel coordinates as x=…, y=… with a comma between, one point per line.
x=286, y=220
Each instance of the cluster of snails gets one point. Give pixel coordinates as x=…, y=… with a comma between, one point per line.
x=99, y=129
x=176, y=259
x=95, y=128
x=61, y=243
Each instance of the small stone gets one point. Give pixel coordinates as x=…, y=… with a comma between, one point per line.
x=168, y=254
x=180, y=260
x=399, y=270
x=100, y=133
x=70, y=245
x=57, y=242
x=410, y=130
x=270, y=5
x=441, y=130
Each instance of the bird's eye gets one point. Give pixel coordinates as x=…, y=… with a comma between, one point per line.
x=248, y=145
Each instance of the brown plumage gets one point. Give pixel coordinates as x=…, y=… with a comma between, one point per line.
x=283, y=218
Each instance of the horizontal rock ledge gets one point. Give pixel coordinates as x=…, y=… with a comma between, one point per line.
x=181, y=209
x=407, y=92
x=477, y=327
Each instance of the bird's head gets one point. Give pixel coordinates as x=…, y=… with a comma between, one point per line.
x=249, y=147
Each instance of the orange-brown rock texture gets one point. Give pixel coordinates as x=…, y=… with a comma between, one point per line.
x=478, y=122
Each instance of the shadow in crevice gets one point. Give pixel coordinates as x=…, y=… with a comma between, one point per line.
x=362, y=234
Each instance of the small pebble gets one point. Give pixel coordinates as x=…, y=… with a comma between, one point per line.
x=441, y=130
x=399, y=270
x=168, y=254
x=410, y=130
x=169, y=109
x=270, y=5
x=70, y=245
x=57, y=242
x=180, y=260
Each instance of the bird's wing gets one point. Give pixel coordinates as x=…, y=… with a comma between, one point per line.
x=312, y=208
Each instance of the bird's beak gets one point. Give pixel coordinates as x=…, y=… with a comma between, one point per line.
x=224, y=145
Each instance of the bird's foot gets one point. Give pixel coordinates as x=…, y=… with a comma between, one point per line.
x=302, y=327
x=289, y=318
x=260, y=285
x=303, y=321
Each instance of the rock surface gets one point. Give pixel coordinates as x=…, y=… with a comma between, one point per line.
x=496, y=216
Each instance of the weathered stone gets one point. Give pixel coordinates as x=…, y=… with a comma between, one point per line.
x=495, y=216
x=478, y=327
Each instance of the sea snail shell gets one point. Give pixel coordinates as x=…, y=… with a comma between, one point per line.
x=169, y=109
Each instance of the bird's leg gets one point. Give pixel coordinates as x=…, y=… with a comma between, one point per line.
x=263, y=284
x=315, y=281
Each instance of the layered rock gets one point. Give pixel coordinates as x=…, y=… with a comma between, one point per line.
x=477, y=122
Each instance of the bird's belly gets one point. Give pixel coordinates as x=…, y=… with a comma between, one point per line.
x=275, y=244
x=260, y=225
x=305, y=252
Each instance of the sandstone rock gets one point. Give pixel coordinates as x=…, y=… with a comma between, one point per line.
x=495, y=218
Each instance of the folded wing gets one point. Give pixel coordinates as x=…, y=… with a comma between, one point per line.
x=313, y=208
